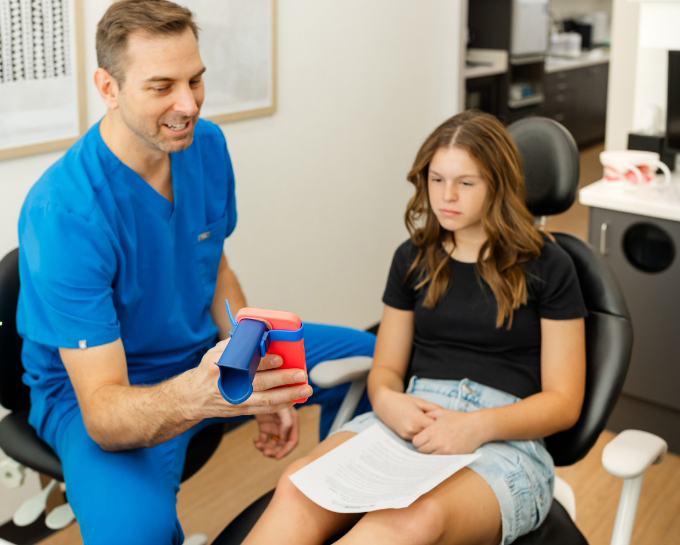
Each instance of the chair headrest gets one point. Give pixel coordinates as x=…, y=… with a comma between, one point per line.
x=551, y=164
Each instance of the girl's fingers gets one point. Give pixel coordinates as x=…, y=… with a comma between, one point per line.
x=420, y=438
x=427, y=448
x=426, y=405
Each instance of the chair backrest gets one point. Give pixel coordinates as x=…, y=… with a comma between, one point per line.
x=14, y=394
x=551, y=166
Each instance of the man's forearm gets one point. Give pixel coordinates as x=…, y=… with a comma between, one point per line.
x=119, y=416
x=144, y=416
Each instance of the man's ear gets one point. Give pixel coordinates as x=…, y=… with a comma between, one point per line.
x=107, y=87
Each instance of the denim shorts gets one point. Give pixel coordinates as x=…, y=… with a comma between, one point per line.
x=520, y=473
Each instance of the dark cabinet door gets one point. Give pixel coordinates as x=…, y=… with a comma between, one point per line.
x=577, y=98
x=591, y=103
x=560, y=99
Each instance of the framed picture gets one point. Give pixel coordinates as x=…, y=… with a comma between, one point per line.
x=42, y=86
x=237, y=40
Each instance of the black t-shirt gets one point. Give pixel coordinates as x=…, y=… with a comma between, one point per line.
x=458, y=338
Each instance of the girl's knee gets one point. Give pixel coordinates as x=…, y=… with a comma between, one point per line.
x=421, y=522
x=295, y=466
x=285, y=487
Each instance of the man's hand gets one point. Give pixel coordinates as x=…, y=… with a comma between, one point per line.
x=451, y=432
x=278, y=433
x=266, y=396
x=404, y=414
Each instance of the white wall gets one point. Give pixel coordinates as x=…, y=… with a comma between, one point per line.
x=574, y=8
x=643, y=31
x=622, y=73
x=321, y=184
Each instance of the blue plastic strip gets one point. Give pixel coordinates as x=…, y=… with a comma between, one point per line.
x=231, y=318
x=286, y=335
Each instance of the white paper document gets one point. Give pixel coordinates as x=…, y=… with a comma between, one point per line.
x=372, y=471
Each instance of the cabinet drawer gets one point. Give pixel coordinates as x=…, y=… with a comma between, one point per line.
x=565, y=117
x=558, y=82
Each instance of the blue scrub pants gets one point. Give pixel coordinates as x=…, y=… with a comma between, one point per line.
x=129, y=496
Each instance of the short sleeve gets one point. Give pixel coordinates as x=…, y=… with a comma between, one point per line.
x=67, y=269
x=398, y=292
x=560, y=293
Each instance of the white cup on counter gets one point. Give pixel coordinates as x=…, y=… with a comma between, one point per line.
x=637, y=168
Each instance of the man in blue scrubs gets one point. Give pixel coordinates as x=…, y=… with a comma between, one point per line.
x=123, y=282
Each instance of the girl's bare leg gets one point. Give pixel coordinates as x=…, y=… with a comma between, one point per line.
x=292, y=517
x=461, y=510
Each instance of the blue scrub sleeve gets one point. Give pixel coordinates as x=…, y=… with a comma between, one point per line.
x=67, y=268
x=231, y=195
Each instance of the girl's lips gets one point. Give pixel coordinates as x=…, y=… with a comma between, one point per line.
x=450, y=213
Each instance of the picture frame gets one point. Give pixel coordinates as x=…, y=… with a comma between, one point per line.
x=237, y=40
x=42, y=84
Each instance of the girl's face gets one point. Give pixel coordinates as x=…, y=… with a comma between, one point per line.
x=457, y=191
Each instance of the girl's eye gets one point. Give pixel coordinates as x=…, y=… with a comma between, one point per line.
x=436, y=179
x=466, y=183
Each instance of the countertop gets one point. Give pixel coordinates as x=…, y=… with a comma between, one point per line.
x=489, y=62
x=587, y=58
x=648, y=200
x=485, y=62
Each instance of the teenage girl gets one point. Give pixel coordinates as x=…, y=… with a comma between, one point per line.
x=483, y=323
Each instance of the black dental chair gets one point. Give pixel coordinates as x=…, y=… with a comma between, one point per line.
x=551, y=164
x=17, y=438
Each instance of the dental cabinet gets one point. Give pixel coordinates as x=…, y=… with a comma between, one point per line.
x=637, y=231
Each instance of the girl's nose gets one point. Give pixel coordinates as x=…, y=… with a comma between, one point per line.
x=450, y=192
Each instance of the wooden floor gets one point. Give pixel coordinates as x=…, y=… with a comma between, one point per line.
x=237, y=474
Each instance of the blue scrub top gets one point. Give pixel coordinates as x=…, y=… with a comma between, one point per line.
x=104, y=256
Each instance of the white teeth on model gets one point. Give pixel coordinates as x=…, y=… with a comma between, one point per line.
x=176, y=127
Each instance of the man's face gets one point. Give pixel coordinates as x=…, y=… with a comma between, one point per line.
x=162, y=94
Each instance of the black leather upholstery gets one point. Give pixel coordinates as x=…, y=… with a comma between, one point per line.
x=20, y=441
x=238, y=528
x=13, y=393
x=551, y=164
x=201, y=447
x=609, y=342
x=600, y=289
x=557, y=529
x=17, y=437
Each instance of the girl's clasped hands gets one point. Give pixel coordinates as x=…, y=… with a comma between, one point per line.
x=431, y=428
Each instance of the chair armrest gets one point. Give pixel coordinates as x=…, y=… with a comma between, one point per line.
x=631, y=453
x=564, y=494
x=334, y=372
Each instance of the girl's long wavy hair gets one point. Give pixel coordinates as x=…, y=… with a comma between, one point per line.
x=509, y=226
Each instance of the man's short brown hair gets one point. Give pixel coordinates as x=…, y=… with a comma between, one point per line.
x=127, y=16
